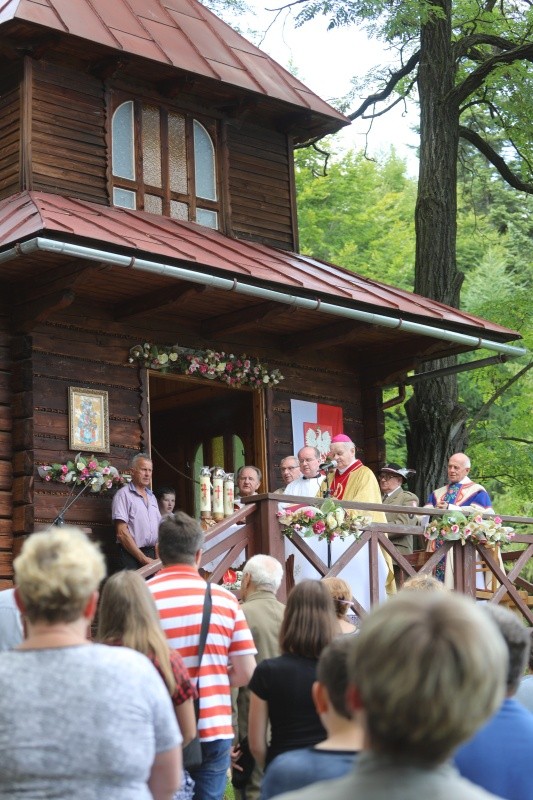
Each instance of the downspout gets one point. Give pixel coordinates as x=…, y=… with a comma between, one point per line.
x=235, y=285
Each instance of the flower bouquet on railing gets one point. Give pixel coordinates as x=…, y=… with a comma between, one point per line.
x=88, y=471
x=456, y=526
x=329, y=521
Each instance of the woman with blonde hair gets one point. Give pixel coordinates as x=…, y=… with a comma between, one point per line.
x=78, y=719
x=342, y=600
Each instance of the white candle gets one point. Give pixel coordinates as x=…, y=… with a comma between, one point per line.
x=205, y=492
x=218, y=493
x=229, y=494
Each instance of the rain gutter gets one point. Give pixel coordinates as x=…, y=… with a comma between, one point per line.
x=234, y=285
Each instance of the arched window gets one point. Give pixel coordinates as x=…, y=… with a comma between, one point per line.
x=123, y=153
x=204, y=173
x=175, y=155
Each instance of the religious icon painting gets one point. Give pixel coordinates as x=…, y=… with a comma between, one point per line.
x=88, y=420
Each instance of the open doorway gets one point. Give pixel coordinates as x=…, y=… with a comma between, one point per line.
x=194, y=423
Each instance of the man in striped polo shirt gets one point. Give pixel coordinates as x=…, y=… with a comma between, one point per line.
x=228, y=659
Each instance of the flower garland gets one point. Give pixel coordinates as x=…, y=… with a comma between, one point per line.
x=455, y=525
x=84, y=471
x=226, y=367
x=330, y=521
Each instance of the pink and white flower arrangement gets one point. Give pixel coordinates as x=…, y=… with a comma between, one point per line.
x=331, y=521
x=456, y=526
x=84, y=470
x=226, y=367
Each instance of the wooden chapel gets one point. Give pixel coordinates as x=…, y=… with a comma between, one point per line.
x=147, y=195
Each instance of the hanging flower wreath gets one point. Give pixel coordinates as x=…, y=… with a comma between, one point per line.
x=330, y=521
x=84, y=471
x=455, y=525
x=228, y=368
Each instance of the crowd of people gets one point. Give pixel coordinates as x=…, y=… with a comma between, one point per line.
x=420, y=701
x=123, y=688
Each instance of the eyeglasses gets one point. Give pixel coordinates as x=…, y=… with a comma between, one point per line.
x=386, y=476
x=307, y=460
x=291, y=468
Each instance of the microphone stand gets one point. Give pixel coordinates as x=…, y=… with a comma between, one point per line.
x=327, y=493
x=60, y=519
x=327, y=490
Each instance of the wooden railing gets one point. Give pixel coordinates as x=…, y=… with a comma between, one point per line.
x=254, y=528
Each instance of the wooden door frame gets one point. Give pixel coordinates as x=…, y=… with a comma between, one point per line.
x=259, y=437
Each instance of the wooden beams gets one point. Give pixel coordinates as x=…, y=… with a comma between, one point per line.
x=338, y=333
x=109, y=67
x=28, y=314
x=180, y=84
x=241, y=319
x=174, y=294
x=34, y=302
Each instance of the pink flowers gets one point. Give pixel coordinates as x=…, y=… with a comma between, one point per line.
x=226, y=367
x=97, y=476
x=329, y=521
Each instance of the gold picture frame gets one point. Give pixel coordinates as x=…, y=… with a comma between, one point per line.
x=88, y=413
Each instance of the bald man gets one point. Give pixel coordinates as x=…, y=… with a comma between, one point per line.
x=461, y=492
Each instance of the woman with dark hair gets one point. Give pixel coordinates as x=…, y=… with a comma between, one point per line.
x=280, y=689
x=166, y=500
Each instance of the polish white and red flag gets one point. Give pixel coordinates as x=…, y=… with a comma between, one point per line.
x=314, y=425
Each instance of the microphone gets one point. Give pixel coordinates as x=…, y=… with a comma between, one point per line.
x=332, y=464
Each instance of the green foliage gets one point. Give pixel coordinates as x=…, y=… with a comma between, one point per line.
x=358, y=214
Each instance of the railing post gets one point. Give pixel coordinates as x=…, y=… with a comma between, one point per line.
x=464, y=568
x=270, y=538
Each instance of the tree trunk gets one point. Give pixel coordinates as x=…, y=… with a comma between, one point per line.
x=436, y=420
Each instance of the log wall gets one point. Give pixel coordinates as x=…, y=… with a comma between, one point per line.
x=6, y=454
x=260, y=189
x=68, y=148
x=10, y=130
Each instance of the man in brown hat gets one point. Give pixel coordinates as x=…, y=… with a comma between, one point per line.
x=391, y=478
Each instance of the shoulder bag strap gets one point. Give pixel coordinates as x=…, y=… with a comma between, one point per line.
x=206, y=617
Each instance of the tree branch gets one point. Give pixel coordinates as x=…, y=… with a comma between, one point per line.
x=476, y=78
x=503, y=388
x=516, y=439
x=400, y=99
x=473, y=40
x=495, y=159
x=391, y=84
